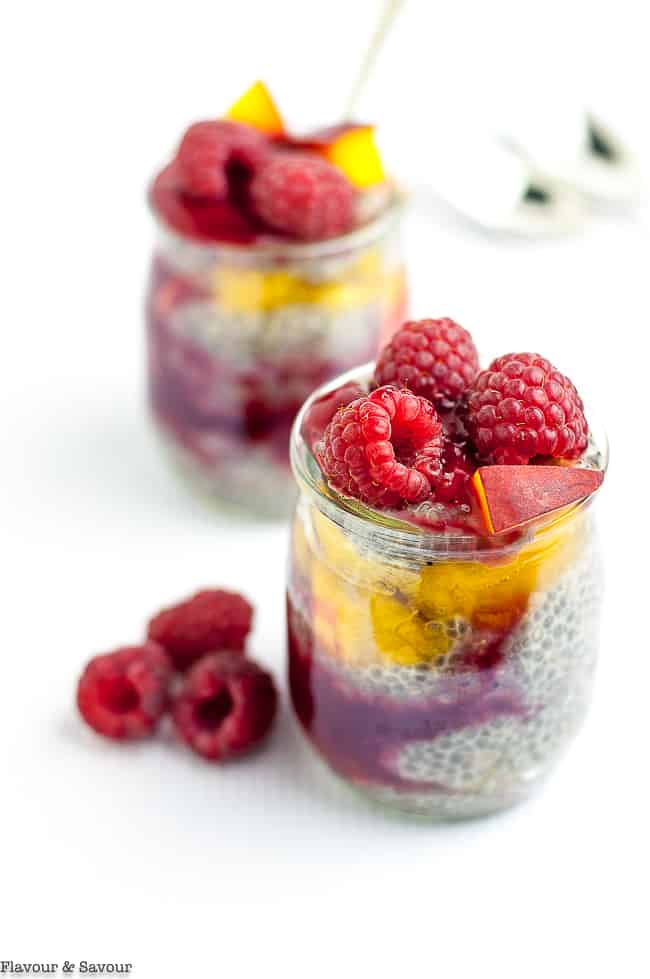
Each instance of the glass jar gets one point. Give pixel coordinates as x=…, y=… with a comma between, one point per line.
x=440, y=675
x=238, y=337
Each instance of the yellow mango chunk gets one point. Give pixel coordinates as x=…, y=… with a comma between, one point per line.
x=488, y=597
x=354, y=151
x=251, y=290
x=493, y=596
x=403, y=636
x=340, y=618
x=338, y=552
x=257, y=108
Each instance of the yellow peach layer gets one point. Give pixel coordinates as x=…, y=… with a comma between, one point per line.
x=366, y=610
x=250, y=290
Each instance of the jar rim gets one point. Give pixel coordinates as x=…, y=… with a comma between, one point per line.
x=395, y=536
x=271, y=247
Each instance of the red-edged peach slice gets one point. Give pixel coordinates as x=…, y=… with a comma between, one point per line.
x=512, y=496
x=349, y=146
x=257, y=108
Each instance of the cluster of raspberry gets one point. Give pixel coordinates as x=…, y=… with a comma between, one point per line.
x=193, y=665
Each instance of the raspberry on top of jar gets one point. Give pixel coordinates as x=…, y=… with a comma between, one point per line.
x=437, y=442
x=245, y=178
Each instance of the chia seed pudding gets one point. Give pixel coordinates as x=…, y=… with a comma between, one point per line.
x=439, y=668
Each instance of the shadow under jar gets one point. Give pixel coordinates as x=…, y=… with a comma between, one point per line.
x=440, y=675
x=240, y=335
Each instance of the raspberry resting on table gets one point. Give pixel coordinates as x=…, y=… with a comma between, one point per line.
x=383, y=449
x=211, y=619
x=123, y=694
x=522, y=407
x=302, y=195
x=215, y=152
x=435, y=359
x=226, y=706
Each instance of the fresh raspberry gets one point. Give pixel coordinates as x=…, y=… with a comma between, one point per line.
x=166, y=199
x=452, y=484
x=522, y=407
x=383, y=449
x=213, y=153
x=303, y=195
x=208, y=219
x=435, y=359
x=123, y=694
x=211, y=619
x=320, y=412
x=225, y=707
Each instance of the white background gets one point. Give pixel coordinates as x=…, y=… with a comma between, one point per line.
x=144, y=854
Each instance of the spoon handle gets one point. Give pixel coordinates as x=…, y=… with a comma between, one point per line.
x=389, y=12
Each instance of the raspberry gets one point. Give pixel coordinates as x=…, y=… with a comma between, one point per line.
x=320, y=413
x=212, y=154
x=204, y=218
x=303, y=196
x=383, y=449
x=167, y=200
x=435, y=359
x=123, y=694
x=452, y=484
x=211, y=619
x=522, y=407
x=225, y=707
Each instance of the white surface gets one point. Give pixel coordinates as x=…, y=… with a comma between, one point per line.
x=144, y=854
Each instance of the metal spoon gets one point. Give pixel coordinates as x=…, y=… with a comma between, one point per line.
x=488, y=182
x=388, y=14
x=581, y=150
x=491, y=185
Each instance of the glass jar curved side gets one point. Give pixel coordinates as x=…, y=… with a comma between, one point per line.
x=238, y=337
x=441, y=675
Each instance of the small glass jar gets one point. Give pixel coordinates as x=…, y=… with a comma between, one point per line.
x=238, y=337
x=439, y=675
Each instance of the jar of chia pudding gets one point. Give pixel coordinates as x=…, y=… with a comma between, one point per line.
x=436, y=667
x=274, y=269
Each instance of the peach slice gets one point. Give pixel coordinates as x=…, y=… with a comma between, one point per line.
x=257, y=108
x=512, y=496
x=349, y=146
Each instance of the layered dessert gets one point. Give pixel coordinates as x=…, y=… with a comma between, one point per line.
x=444, y=585
x=277, y=266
